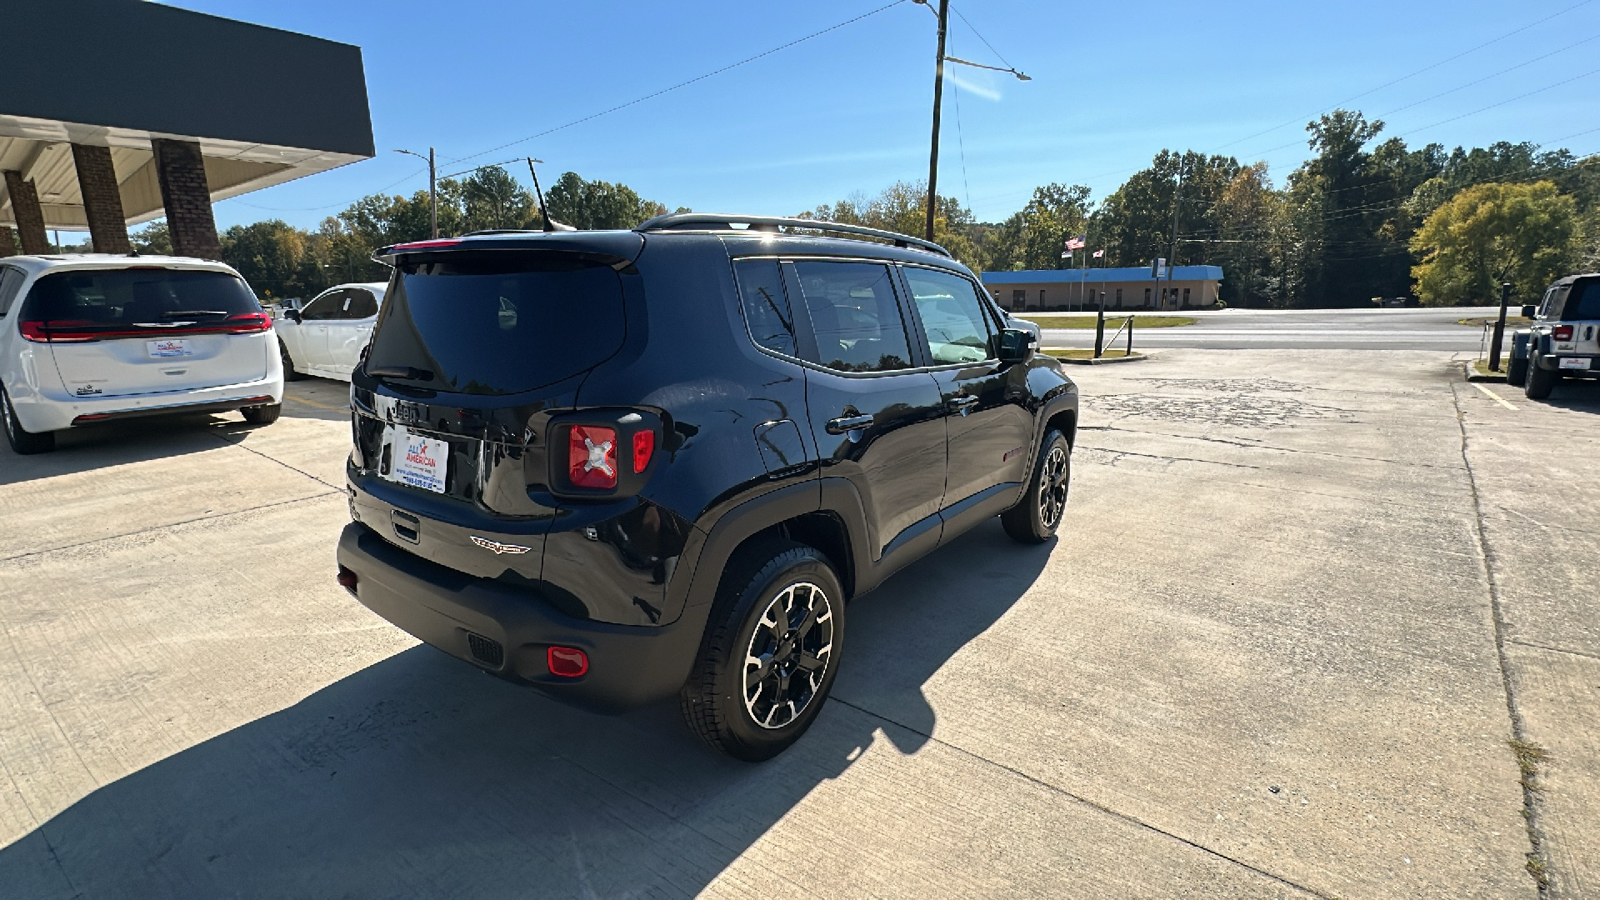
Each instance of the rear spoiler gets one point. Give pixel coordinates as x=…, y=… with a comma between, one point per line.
x=617, y=249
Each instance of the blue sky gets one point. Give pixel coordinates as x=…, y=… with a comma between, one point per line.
x=848, y=112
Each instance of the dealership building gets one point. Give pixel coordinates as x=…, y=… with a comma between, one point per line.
x=117, y=112
x=1189, y=287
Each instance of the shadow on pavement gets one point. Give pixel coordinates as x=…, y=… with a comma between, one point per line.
x=420, y=777
x=1578, y=394
x=88, y=447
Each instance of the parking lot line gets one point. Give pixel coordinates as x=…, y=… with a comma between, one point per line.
x=1493, y=396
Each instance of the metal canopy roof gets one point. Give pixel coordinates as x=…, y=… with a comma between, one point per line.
x=266, y=106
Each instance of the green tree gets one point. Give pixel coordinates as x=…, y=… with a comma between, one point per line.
x=903, y=208
x=276, y=258
x=1492, y=233
x=490, y=198
x=153, y=239
x=598, y=204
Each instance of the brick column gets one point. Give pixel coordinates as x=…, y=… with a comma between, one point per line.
x=8, y=241
x=29, y=216
x=102, y=199
x=187, y=198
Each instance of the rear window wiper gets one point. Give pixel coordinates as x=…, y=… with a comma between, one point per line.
x=409, y=373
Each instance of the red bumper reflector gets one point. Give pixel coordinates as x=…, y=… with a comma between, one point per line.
x=567, y=662
x=644, y=444
x=347, y=579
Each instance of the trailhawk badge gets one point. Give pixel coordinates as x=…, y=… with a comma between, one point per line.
x=498, y=547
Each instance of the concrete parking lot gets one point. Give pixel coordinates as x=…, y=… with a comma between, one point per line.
x=1301, y=604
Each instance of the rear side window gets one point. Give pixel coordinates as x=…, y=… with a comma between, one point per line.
x=854, y=316
x=766, y=307
x=119, y=299
x=1583, y=302
x=10, y=282
x=498, y=323
x=360, y=304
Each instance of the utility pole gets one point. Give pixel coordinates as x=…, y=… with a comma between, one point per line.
x=433, y=191
x=1499, y=328
x=938, y=96
x=1172, y=254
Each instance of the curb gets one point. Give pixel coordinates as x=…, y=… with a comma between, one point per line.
x=1472, y=373
x=1102, y=361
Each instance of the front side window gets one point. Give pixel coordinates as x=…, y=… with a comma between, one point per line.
x=953, y=321
x=854, y=316
x=328, y=306
x=766, y=307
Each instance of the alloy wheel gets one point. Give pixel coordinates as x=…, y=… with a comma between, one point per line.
x=1053, y=488
x=789, y=655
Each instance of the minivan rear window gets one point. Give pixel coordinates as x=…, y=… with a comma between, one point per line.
x=497, y=323
x=119, y=300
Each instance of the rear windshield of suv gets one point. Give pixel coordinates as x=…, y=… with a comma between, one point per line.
x=498, y=323
x=94, y=300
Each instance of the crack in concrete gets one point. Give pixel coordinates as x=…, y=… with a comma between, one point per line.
x=1531, y=805
x=1547, y=647
x=1117, y=455
x=241, y=445
x=1258, y=446
x=153, y=528
x=1056, y=789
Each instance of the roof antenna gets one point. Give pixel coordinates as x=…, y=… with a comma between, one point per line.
x=544, y=211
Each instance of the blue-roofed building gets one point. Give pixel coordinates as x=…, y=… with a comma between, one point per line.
x=1191, y=287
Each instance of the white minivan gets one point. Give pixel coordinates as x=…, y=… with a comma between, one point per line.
x=94, y=338
x=326, y=336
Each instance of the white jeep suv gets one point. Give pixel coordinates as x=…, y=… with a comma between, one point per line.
x=93, y=338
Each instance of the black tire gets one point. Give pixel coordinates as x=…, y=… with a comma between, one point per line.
x=757, y=718
x=1540, y=380
x=1516, y=370
x=1038, y=514
x=289, y=374
x=262, y=415
x=24, y=442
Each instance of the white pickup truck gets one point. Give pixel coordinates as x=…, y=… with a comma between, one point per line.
x=325, y=337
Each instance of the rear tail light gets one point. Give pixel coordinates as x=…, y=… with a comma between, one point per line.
x=60, y=331
x=247, y=323
x=1562, y=333
x=644, y=446
x=567, y=662
x=592, y=457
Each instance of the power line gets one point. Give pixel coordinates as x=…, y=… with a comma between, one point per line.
x=986, y=40
x=683, y=84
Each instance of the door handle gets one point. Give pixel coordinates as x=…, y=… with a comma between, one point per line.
x=961, y=403
x=848, y=423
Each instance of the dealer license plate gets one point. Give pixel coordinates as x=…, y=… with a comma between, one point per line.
x=1574, y=362
x=419, y=460
x=168, y=349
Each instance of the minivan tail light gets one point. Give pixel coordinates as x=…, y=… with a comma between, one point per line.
x=592, y=457
x=644, y=446
x=56, y=332
x=1562, y=333
x=247, y=323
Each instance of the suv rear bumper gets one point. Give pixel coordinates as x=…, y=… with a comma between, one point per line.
x=1552, y=362
x=628, y=665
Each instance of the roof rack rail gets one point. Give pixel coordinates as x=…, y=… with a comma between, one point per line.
x=674, y=221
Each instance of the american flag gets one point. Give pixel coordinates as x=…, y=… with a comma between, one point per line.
x=1076, y=243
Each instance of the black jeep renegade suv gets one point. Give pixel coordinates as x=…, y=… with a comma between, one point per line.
x=619, y=465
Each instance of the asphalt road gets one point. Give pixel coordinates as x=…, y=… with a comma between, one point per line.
x=1303, y=329
x=1300, y=602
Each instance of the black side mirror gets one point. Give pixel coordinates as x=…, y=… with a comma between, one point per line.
x=1016, y=345
x=1528, y=311
x=291, y=314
